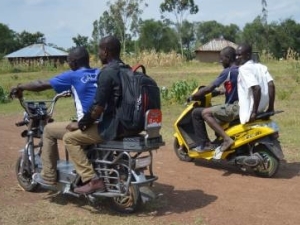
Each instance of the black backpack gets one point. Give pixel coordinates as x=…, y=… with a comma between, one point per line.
x=139, y=93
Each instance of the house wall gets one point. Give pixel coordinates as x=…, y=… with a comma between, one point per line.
x=208, y=56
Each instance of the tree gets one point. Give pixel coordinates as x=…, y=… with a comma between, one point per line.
x=25, y=38
x=205, y=31
x=284, y=36
x=264, y=11
x=8, y=42
x=255, y=34
x=122, y=20
x=188, y=38
x=81, y=41
x=158, y=36
x=179, y=8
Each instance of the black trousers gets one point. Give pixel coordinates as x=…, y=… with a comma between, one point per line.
x=199, y=126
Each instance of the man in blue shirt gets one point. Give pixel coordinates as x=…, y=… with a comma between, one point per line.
x=81, y=80
x=221, y=113
x=106, y=100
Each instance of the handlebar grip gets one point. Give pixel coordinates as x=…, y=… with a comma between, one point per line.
x=21, y=123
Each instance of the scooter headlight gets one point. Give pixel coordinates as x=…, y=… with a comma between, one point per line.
x=273, y=125
x=142, y=162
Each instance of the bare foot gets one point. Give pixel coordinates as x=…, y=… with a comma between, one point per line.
x=226, y=144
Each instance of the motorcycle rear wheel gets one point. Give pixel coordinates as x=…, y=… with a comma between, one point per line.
x=129, y=203
x=25, y=177
x=181, y=152
x=270, y=162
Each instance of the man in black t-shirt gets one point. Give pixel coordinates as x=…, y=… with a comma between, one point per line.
x=90, y=132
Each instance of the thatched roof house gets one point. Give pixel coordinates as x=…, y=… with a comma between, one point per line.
x=210, y=52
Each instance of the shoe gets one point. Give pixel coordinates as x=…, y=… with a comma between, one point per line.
x=92, y=186
x=218, y=153
x=204, y=148
x=37, y=177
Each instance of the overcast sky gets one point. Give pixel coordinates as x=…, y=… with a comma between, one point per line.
x=60, y=20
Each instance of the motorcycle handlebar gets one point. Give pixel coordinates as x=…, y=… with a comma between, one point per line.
x=51, y=106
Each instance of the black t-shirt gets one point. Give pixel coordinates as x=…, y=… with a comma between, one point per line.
x=107, y=95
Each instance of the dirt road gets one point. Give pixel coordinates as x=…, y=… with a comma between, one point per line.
x=191, y=193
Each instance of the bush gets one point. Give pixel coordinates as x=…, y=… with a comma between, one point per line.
x=179, y=91
x=4, y=96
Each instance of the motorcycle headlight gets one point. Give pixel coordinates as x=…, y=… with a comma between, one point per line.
x=142, y=162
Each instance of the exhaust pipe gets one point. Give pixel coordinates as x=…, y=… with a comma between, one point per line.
x=250, y=161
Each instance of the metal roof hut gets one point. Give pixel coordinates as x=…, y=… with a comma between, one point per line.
x=37, y=54
x=210, y=52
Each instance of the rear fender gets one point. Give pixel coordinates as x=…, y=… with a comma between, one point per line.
x=273, y=145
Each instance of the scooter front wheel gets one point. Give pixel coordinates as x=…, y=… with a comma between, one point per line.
x=129, y=203
x=181, y=152
x=270, y=165
x=24, y=176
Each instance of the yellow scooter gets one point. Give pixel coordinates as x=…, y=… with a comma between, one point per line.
x=256, y=145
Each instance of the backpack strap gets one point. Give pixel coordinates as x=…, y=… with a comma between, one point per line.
x=137, y=66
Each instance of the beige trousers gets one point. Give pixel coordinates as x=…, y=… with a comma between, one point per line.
x=74, y=142
x=52, y=132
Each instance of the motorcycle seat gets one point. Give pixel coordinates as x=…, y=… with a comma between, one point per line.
x=149, y=139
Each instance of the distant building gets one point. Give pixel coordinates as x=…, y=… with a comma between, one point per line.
x=210, y=52
x=38, y=54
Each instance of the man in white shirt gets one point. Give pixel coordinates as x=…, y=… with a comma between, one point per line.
x=256, y=89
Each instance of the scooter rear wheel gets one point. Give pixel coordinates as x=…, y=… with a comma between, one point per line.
x=25, y=177
x=129, y=203
x=181, y=152
x=270, y=164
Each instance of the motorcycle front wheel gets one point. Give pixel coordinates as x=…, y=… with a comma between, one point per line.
x=24, y=176
x=270, y=165
x=181, y=151
x=129, y=203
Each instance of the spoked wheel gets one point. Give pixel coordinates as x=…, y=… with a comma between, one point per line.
x=25, y=177
x=129, y=203
x=270, y=164
x=181, y=151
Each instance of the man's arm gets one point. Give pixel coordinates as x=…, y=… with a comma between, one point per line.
x=203, y=91
x=271, y=90
x=38, y=85
x=256, y=91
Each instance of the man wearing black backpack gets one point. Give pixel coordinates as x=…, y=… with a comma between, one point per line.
x=90, y=132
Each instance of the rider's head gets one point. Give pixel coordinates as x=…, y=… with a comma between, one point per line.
x=243, y=53
x=78, y=57
x=109, y=49
x=227, y=56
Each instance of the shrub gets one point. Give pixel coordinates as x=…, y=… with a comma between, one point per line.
x=4, y=96
x=178, y=91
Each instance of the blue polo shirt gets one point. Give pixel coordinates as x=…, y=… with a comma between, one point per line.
x=82, y=83
x=228, y=78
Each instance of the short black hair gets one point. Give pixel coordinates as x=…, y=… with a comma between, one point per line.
x=112, y=44
x=246, y=48
x=80, y=55
x=229, y=52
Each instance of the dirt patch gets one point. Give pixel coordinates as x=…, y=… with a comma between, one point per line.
x=199, y=192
